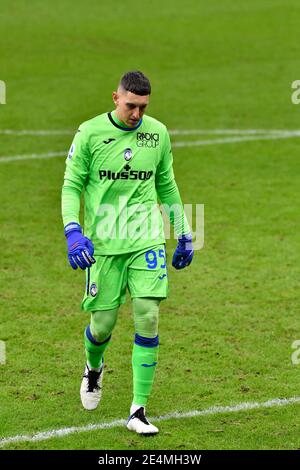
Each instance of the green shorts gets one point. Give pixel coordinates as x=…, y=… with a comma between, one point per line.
x=144, y=273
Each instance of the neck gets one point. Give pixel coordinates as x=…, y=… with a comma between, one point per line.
x=116, y=114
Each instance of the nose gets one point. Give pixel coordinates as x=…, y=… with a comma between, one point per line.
x=136, y=113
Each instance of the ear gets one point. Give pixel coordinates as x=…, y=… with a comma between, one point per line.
x=115, y=97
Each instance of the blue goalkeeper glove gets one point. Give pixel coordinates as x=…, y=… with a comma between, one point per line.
x=80, y=248
x=184, y=252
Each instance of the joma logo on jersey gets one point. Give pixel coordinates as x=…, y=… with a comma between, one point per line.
x=125, y=175
x=147, y=139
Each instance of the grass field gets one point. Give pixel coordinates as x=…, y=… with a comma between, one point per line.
x=227, y=328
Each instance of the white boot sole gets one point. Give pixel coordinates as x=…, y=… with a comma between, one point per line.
x=137, y=426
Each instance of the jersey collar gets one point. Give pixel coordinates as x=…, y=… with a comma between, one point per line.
x=119, y=126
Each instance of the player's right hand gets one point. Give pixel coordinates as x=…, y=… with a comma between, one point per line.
x=80, y=248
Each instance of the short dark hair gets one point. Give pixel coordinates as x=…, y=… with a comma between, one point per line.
x=136, y=82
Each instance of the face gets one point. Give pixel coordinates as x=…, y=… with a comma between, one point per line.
x=130, y=108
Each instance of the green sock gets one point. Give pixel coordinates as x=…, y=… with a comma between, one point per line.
x=93, y=349
x=144, y=361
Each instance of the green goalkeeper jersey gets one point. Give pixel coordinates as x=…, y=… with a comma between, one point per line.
x=122, y=171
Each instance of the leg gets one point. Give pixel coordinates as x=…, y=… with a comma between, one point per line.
x=105, y=291
x=148, y=285
x=145, y=348
x=97, y=335
x=96, y=339
x=144, y=361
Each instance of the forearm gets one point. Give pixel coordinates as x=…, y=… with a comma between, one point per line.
x=70, y=204
x=170, y=198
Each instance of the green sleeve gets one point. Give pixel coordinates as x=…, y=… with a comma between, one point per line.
x=77, y=168
x=167, y=189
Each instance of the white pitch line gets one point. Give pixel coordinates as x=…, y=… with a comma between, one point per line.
x=229, y=140
x=33, y=156
x=232, y=131
x=49, y=132
x=214, y=410
x=55, y=132
x=195, y=143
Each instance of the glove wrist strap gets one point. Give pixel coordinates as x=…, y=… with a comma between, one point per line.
x=72, y=227
x=185, y=237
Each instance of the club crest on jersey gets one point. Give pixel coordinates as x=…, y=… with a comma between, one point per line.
x=71, y=151
x=93, y=289
x=128, y=154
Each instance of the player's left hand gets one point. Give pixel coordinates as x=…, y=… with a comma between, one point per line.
x=184, y=252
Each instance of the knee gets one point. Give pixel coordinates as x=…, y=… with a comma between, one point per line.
x=102, y=323
x=146, y=312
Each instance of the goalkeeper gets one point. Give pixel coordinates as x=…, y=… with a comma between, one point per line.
x=123, y=162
